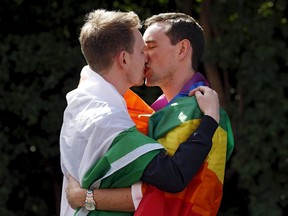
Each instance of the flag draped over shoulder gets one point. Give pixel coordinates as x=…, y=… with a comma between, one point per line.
x=121, y=166
x=171, y=126
x=139, y=111
x=99, y=143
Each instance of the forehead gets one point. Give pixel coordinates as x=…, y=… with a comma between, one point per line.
x=156, y=32
x=138, y=37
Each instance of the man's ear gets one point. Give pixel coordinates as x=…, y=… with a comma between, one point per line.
x=124, y=59
x=184, y=47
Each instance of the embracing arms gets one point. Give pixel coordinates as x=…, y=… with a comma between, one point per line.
x=170, y=174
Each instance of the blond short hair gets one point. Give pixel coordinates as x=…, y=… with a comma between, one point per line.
x=105, y=34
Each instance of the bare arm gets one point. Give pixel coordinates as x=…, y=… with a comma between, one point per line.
x=118, y=199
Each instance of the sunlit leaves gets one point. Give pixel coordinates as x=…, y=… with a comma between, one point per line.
x=266, y=8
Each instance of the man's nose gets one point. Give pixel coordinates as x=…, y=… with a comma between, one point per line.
x=146, y=57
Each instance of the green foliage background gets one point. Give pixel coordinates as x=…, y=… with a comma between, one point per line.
x=40, y=61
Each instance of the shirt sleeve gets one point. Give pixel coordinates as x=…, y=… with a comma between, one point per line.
x=136, y=192
x=172, y=174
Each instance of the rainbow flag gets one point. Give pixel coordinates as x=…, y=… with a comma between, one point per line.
x=171, y=126
x=203, y=194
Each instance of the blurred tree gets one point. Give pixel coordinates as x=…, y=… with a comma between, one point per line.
x=39, y=64
x=249, y=45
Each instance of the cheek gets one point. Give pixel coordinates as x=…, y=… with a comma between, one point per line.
x=153, y=53
x=141, y=59
x=159, y=60
x=160, y=55
x=154, y=58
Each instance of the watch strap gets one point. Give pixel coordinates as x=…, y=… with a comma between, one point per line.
x=90, y=204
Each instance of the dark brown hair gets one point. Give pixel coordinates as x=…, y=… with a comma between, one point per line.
x=182, y=26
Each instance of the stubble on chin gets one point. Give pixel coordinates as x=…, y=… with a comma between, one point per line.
x=147, y=83
x=139, y=83
x=150, y=83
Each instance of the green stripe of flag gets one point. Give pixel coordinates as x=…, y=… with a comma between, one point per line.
x=181, y=110
x=126, y=142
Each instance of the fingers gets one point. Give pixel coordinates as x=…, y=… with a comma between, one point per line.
x=198, y=94
x=192, y=92
x=68, y=176
x=208, y=101
x=203, y=90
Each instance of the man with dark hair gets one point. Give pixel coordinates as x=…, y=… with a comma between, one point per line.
x=99, y=143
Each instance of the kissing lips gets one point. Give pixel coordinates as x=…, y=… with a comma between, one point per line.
x=146, y=70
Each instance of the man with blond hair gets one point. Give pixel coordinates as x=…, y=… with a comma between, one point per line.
x=99, y=144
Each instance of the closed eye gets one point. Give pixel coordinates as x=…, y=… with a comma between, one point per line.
x=149, y=47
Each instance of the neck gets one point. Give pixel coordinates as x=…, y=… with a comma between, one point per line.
x=117, y=82
x=177, y=83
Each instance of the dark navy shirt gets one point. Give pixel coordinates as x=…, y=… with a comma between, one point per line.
x=173, y=173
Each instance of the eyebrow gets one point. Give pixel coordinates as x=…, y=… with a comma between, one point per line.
x=150, y=41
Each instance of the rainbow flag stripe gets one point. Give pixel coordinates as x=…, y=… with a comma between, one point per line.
x=171, y=126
